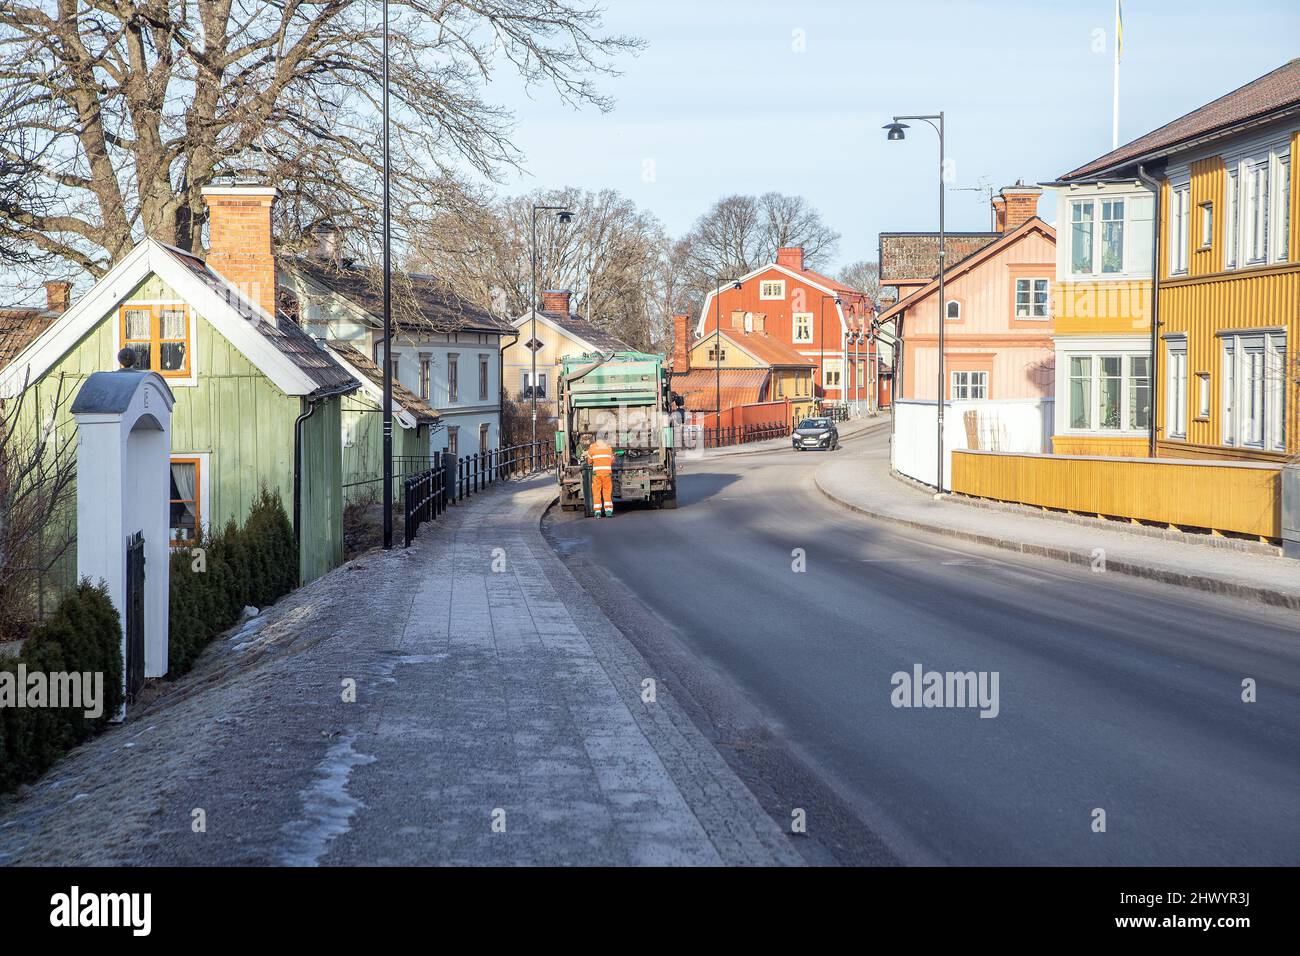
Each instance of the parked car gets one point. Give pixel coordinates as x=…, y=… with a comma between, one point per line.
x=816, y=433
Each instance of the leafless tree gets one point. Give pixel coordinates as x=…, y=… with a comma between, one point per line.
x=133, y=106
x=610, y=255
x=37, y=501
x=864, y=276
x=740, y=233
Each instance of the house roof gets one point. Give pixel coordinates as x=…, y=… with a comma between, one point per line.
x=294, y=362
x=1257, y=101
x=18, y=328
x=699, y=387
x=419, y=300
x=768, y=349
x=970, y=262
x=418, y=411
x=915, y=255
x=282, y=332
x=826, y=284
x=576, y=327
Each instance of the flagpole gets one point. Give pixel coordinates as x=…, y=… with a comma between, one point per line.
x=1114, y=109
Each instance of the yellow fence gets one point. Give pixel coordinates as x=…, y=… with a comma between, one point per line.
x=1240, y=497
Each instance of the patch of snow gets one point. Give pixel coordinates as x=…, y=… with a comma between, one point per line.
x=327, y=806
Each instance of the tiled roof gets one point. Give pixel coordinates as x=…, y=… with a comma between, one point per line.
x=699, y=387
x=418, y=300
x=766, y=348
x=18, y=327
x=588, y=331
x=1258, y=98
x=915, y=255
x=413, y=404
x=305, y=352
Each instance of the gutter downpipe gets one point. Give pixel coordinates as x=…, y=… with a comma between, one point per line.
x=297, y=463
x=501, y=381
x=1155, y=186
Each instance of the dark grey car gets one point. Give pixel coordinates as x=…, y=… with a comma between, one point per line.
x=816, y=433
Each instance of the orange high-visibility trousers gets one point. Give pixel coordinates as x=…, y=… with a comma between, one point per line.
x=602, y=492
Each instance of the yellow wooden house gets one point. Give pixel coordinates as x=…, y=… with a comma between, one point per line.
x=1226, y=257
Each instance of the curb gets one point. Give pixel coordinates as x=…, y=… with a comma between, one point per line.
x=1199, y=582
x=762, y=451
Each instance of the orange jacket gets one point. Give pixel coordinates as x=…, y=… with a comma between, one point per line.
x=601, y=457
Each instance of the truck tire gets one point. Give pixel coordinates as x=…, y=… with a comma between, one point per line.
x=669, y=500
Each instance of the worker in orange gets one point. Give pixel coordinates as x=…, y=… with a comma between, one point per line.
x=600, y=456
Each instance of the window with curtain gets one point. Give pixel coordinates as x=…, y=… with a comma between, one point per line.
x=1031, y=298
x=1139, y=392
x=184, y=507
x=1177, y=387
x=1110, y=383
x=1112, y=235
x=1179, y=202
x=1081, y=214
x=159, y=335
x=1254, y=390
x=1080, y=391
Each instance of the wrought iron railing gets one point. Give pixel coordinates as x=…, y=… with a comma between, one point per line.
x=430, y=493
x=744, y=434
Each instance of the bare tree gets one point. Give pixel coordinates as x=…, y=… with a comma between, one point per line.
x=610, y=255
x=740, y=233
x=37, y=502
x=134, y=106
x=864, y=276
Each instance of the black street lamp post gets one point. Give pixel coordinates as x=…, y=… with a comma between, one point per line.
x=388, y=322
x=564, y=216
x=896, y=133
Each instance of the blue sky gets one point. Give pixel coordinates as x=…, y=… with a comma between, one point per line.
x=721, y=102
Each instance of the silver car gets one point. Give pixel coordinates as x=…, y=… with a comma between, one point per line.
x=816, y=433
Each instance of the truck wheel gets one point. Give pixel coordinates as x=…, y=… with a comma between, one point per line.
x=669, y=500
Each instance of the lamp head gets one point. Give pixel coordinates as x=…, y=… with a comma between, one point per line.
x=564, y=216
x=895, y=131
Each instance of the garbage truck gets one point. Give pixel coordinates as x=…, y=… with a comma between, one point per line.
x=624, y=398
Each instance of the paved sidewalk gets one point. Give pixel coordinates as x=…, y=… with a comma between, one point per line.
x=852, y=429
x=862, y=482
x=498, y=719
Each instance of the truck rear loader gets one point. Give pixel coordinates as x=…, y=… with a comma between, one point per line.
x=624, y=398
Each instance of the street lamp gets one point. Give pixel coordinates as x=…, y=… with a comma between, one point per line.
x=896, y=134
x=717, y=358
x=388, y=323
x=821, y=336
x=564, y=216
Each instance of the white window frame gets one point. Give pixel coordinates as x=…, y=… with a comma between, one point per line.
x=948, y=308
x=1033, y=281
x=1078, y=204
x=1180, y=198
x=1095, y=355
x=1206, y=222
x=1099, y=250
x=1257, y=235
x=795, y=319
x=836, y=366
x=1176, y=397
x=1232, y=219
x=964, y=384
x=765, y=294
x=1237, y=427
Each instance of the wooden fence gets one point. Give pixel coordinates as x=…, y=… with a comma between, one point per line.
x=1221, y=496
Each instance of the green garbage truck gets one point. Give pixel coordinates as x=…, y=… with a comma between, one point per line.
x=624, y=398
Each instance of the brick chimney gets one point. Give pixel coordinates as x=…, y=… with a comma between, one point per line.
x=239, y=240
x=682, y=341
x=1016, y=205
x=556, y=300
x=791, y=257
x=58, y=296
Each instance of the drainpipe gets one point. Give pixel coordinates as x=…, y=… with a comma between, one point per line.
x=312, y=402
x=1154, y=185
x=501, y=380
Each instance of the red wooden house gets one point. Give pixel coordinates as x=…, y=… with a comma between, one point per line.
x=817, y=315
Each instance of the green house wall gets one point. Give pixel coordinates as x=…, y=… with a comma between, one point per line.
x=238, y=418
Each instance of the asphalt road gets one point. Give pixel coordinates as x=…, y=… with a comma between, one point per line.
x=1114, y=694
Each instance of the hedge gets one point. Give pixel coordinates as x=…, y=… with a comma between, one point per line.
x=84, y=635
x=255, y=564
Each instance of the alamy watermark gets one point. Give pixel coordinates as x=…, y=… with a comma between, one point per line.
x=922, y=688
x=78, y=690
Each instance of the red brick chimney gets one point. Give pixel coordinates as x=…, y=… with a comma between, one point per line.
x=1019, y=204
x=58, y=296
x=791, y=257
x=239, y=240
x=556, y=300
x=682, y=341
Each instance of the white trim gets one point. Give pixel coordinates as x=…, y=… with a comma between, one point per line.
x=101, y=302
x=525, y=319
x=771, y=298
x=373, y=392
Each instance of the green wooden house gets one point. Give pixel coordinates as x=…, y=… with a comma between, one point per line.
x=258, y=400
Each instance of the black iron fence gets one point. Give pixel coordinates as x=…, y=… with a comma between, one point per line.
x=744, y=434
x=431, y=492
x=371, y=487
x=836, y=413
